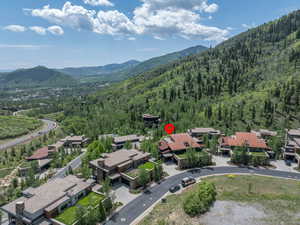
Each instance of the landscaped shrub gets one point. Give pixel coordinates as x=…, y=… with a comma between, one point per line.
x=241, y=156
x=197, y=159
x=259, y=160
x=200, y=201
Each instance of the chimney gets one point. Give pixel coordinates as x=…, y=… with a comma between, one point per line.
x=20, y=206
x=101, y=162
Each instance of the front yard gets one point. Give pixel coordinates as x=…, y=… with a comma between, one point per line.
x=184, y=155
x=135, y=172
x=258, y=154
x=246, y=200
x=68, y=216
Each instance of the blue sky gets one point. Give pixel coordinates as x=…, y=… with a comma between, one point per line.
x=60, y=33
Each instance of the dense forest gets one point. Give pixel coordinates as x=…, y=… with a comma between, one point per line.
x=249, y=81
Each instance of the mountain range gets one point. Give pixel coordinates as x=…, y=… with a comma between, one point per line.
x=119, y=72
x=41, y=76
x=99, y=70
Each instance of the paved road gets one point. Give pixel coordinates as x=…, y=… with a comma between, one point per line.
x=136, y=207
x=48, y=126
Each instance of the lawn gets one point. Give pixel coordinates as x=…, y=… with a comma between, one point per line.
x=147, y=166
x=68, y=216
x=258, y=154
x=135, y=172
x=184, y=155
x=14, y=126
x=278, y=198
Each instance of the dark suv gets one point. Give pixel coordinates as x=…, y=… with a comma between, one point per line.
x=188, y=181
x=175, y=188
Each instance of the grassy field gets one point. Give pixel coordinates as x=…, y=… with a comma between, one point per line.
x=279, y=199
x=68, y=216
x=14, y=126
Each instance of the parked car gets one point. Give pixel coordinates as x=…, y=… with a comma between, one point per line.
x=288, y=162
x=174, y=188
x=188, y=181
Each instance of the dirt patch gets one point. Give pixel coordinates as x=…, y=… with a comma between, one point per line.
x=234, y=213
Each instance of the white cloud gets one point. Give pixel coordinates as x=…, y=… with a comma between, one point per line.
x=209, y=8
x=23, y=46
x=15, y=28
x=70, y=15
x=159, y=18
x=98, y=2
x=198, y=5
x=38, y=30
x=164, y=18
x=131, y=38
x=56, y=30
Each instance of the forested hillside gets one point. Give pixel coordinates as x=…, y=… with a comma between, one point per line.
x=120, y=72
x=249, y=81
x=36, y=77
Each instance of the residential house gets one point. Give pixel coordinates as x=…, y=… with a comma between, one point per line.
x=115, y=165
x=200, y=132
x=39, y=205
x=119, y=141
x=251, y=141
x=151, y=120
x=291, y=150
x=263, y=133
x=176, y=144
x=74, y=141
x=43, y=156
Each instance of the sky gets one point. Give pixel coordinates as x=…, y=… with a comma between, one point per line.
x=73, y=33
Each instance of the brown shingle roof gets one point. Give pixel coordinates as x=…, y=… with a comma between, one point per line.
x=244, y=138
x=41, y=153
x=179, y=142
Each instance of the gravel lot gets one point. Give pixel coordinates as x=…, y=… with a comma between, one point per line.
x=233, y=213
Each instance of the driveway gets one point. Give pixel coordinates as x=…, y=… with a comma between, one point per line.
x=280, y=165
x=139, y=205
x=170, y=168
x=122, y=194
x=221, y=160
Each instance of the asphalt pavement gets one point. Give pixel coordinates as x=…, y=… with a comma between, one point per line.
x=139, y=205
x=47, y=127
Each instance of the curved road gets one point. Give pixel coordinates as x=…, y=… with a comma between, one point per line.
x=137, y=207
x=47, y=127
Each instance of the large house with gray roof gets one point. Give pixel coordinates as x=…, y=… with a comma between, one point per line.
x=119, y=141
x=200, y=132
x=113, y=166
x=39, y=205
